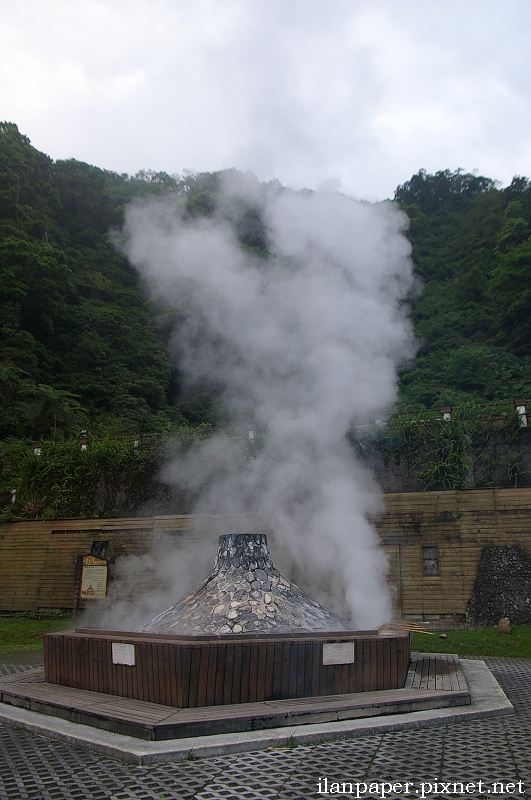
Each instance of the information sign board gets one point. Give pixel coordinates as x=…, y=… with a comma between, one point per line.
x=338, y=653
x=123, y=654
x=94, y=578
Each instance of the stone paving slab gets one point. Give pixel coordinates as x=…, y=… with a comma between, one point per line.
x=487, y=699
x=34, y=767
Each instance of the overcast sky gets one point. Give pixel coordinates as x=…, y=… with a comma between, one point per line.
x=350, y=94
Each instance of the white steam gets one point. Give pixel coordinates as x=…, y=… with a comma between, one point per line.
x=304, y=342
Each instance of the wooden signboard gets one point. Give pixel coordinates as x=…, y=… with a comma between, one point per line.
x=93, y=578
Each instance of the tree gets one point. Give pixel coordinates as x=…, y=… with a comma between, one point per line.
x=428, y=192
x=52, y=414
x=510, y=289
x=15, y=388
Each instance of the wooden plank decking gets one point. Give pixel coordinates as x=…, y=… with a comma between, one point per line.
x=433, y=681
x=441, y=671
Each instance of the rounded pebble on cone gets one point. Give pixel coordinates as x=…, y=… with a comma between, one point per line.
x=226, y=594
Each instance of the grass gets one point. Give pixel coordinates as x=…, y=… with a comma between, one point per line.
x=24, y=632
x=477, y=642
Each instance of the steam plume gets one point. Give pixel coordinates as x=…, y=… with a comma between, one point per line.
x=303, y=341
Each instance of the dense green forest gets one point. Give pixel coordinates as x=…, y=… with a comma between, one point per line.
x=472, y=251
x=81, y=348
x=79, y=345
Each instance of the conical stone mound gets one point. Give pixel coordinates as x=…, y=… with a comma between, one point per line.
x=245, y=594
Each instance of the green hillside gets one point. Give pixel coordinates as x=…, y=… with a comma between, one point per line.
x=472, y=252
x=78, y=344
x=81, y=348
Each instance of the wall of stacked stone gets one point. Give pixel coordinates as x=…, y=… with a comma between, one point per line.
x=502, y=590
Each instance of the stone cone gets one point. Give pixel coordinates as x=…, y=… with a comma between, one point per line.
x=245, y=594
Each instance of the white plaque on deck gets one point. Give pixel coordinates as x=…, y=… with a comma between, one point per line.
x=123, y=654
x=338, y=653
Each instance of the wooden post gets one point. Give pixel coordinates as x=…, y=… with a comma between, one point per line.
x=77, y=588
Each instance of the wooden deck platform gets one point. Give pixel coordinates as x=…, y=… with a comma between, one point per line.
x=435, y=671
x=225, y=669
x=433, y=681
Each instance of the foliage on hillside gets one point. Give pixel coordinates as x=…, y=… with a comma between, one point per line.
x=472, y=251
x=480, y=447
x=81, y=348
x=107, y=478
x=79, y=345
x=75, y=331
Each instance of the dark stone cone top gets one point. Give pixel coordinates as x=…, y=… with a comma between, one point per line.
x=245, y=594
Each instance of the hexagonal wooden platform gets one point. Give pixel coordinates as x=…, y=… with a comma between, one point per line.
x=433, y=681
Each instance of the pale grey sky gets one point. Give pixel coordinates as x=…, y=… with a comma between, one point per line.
x=350, y=94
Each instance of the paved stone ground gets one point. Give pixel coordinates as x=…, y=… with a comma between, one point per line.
x=491, y=750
